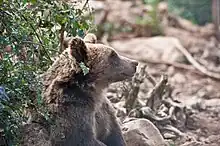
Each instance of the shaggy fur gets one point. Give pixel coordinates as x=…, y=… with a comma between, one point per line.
x=81, y=115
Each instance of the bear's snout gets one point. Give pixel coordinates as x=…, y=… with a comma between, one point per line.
x=134, y=63
x=133, y=66
x=129, y=66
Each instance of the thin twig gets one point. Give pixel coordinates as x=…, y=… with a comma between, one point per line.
x=38, y=37
x=62, y=38
x=150, y=78
x=85, y=3
x=29, y=42
x=155, y=95
x=195, y=63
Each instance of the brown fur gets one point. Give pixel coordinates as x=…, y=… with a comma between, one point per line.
x=82, y=116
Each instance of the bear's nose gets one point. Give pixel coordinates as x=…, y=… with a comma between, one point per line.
x=134, y=63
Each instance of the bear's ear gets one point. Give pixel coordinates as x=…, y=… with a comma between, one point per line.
x=90, y=38
x=78, y=50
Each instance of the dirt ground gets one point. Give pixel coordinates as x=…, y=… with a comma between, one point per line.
x=193, y=73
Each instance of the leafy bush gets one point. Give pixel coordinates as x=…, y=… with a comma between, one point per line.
x=30, y=31
x=197, y=11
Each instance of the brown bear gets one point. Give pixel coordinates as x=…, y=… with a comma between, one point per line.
x=81, y=115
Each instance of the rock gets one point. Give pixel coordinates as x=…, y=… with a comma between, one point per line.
x=184, y=35
x=156, y=48
x=179, y=78
x=142, y=132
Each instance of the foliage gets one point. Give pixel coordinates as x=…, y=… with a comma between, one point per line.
x=29, y=39
x=197, y=11
x=151, y=18
x=84, y=68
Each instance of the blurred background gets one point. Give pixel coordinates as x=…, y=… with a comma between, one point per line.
x=151, y=14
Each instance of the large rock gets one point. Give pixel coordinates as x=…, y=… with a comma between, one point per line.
x=156, y=48
x=142, y=132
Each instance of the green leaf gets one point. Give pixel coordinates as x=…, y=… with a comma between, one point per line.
x=24, y=1
x=33, y=1
x=80, y=33
x=39, y=98
x=84, y=68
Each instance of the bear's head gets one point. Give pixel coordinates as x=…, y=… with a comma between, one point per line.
x=104, y=63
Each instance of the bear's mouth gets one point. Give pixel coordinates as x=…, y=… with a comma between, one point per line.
x=128, y=75
x=122, y=77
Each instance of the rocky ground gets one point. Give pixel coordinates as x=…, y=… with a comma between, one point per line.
x=178, y=92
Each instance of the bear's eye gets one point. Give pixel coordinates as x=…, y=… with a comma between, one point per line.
x=113, y=54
